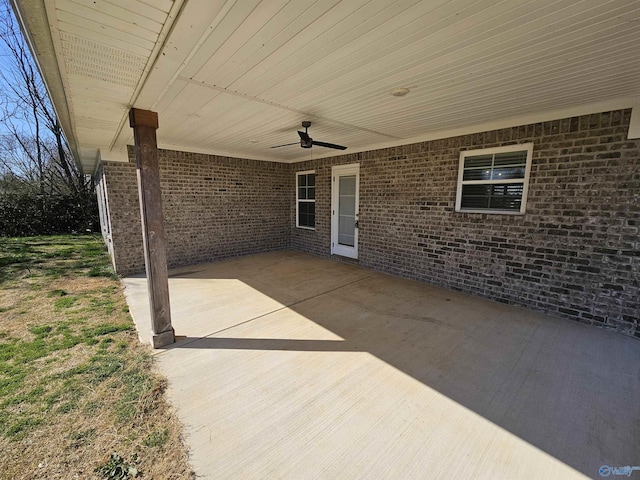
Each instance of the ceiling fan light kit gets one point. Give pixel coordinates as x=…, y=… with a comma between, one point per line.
x=307, y=142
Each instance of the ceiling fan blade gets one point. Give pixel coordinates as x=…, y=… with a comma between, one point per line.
x=307, y=142
x=329, y=145
x=286, y=145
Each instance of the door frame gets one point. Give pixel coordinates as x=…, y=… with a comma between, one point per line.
x=336, y=172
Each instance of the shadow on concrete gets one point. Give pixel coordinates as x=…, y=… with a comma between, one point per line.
x=568, y=389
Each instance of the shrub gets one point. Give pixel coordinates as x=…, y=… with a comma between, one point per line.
x=28, y=214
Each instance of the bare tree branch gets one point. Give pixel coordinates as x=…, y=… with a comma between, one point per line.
x=38, y=151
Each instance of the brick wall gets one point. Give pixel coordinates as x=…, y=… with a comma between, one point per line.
x=214, y=207
x=575, y=253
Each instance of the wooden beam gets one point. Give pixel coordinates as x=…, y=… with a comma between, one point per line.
x=144, y=124
x=634, y=124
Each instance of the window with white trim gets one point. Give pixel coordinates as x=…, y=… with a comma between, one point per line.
x=494, y=180
x=306, y=200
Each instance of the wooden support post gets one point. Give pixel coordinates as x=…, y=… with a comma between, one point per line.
x=144, y=124
x=634, y=123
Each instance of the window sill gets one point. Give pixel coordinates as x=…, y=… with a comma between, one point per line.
x=491, y=212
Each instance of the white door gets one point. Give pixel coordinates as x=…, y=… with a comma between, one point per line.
x=344, y=210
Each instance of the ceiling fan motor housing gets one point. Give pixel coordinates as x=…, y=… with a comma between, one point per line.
x=305, y=140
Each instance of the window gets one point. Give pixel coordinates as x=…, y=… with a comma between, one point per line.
x=494, y=180
x=306, y=200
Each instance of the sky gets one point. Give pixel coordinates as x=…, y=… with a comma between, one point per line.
x=8, y=76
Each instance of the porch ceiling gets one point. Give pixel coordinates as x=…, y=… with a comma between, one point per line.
x=237, y=77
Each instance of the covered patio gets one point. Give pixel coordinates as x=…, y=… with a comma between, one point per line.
x=294, y=366
x=484, y=146
x=492, y=148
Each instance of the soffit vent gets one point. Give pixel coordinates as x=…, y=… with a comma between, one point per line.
x=90, y=59
x=97, y=124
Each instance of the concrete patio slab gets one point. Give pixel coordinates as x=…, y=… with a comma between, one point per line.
x=292, y=366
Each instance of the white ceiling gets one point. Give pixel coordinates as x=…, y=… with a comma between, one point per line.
x=236, y=77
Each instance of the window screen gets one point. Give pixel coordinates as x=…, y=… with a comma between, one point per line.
x=494, y=180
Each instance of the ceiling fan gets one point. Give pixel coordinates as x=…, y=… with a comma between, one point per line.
x=307, y=142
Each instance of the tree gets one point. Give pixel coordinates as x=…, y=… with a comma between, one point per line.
x=35, y=159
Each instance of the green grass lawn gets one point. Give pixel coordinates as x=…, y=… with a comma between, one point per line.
x=76, y=387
